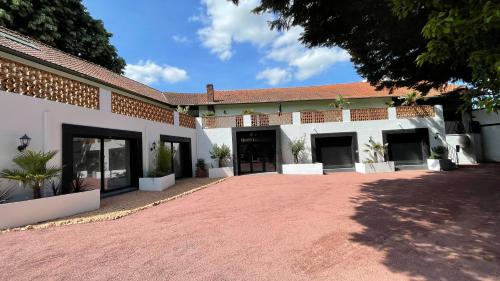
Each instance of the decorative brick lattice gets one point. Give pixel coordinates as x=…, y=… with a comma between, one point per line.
x=26, y=80
x=367, y=114
x=135, y=108
x=187, y=121
x=222, y=122
x=271, y=119
x=307, y=117
x=419, y=111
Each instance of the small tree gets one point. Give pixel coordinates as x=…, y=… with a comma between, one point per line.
x=297, y=146
x=376, y=151
x=411, y=98
x=33, y=170
x=222, y=153
x=340, y=102
x=182, y=109
x=162, y=161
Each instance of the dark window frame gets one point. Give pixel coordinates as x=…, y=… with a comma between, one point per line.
x=172, y=139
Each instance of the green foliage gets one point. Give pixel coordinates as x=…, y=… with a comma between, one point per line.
x=411, y=98
x=163, y=160
x=249, y=111
x=297, y=147
x=6, y=192
x=183, y=109
x=222, y=153
x=421, y=44
x=340, y=102
x=65, y=25
x=438, y=152
x=208, y=114
x=376, y=151
x=200, y=164
x=33, y=170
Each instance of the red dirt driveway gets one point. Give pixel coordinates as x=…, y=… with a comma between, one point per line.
x=409, y=225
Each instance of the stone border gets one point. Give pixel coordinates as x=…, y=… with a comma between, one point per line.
x=45, y=225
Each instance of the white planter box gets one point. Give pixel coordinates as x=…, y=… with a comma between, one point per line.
x=220, y=172
x=156, y=184
x=439, y=164
x=371, y=168
x=39, y=210
x=303, y=169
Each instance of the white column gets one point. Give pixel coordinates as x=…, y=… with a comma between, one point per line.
x=199, y=123
x=46, y=132
x=296, y=118
x=392, y=113
x=247, y=120
x=176, y=118
x=346, y=115
x=145, y=150
x=104, y=100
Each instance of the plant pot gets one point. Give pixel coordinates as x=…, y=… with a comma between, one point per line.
x=303, y=169
x=48, y=208
x=201, y=173
x=439, y=164
x=156, y=184
x=372, y=168
x=220, y=172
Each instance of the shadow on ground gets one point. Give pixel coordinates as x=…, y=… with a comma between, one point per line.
x=438, y=226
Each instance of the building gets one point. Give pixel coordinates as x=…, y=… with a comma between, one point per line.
x=105, y=125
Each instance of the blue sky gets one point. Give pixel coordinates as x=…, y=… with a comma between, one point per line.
x=181, y=46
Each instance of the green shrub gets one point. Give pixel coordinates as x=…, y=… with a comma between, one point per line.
x=222, y=153
x=297, y=146
x=200, y=164
x=376, y=151
x=162, y=161
x=438, y=152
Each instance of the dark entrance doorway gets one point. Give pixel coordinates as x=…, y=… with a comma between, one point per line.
x=335, y=151
x=105, y=159
x=407, y=147
x=256, y=151
x=181, y=157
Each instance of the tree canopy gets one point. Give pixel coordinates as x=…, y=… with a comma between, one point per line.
x=421, y=44
x=63, y=24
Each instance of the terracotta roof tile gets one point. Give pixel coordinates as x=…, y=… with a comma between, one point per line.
x=325, y=92
x=34, y=49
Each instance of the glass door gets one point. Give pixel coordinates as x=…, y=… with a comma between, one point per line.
x=116, y=164
x=87, y=162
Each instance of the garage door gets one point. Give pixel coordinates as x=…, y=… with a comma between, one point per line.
x=408, y=147
x=335, y=151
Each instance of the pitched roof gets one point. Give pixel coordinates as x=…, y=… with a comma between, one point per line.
x=20, y=44
x=326, y=92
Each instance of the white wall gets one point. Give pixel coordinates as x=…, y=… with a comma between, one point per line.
x=490, y=134
x=206, y=138
x=42, y=121
x=292, y=106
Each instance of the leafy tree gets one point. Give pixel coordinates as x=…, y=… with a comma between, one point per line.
x=340, y=102
x=33, y=170
x=222, y=153
x=297, y=147
x=420, y=44
x=63, y=24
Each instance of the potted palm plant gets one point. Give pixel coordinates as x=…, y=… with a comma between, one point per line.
x=297, y=148
x=438, y=161
x=221, y=153
x=201, y=171
x=161, y=176
x=375, y=163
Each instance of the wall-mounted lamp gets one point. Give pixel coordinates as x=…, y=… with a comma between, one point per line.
x=24, y=141
x=153, y=146
x=436, y=136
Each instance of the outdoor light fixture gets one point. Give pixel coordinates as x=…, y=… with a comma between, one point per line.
x=25, y=142
x=153, y=146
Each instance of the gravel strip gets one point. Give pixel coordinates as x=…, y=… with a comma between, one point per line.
x=122, y=205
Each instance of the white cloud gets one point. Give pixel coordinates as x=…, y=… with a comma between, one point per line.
x=274, y=76
x=148, y=72
x=225, y=24
x=181, y=39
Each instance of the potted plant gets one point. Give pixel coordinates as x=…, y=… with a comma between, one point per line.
x=161, y=176
x=340, y=103
x=297, y=148
x=438, y=161
x=201, y=171
x=221, y=153
x=375, y=163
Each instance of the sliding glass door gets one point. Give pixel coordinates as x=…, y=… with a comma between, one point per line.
x=116, y=164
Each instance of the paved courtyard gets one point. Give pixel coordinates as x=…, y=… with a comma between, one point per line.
x=409, y=225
